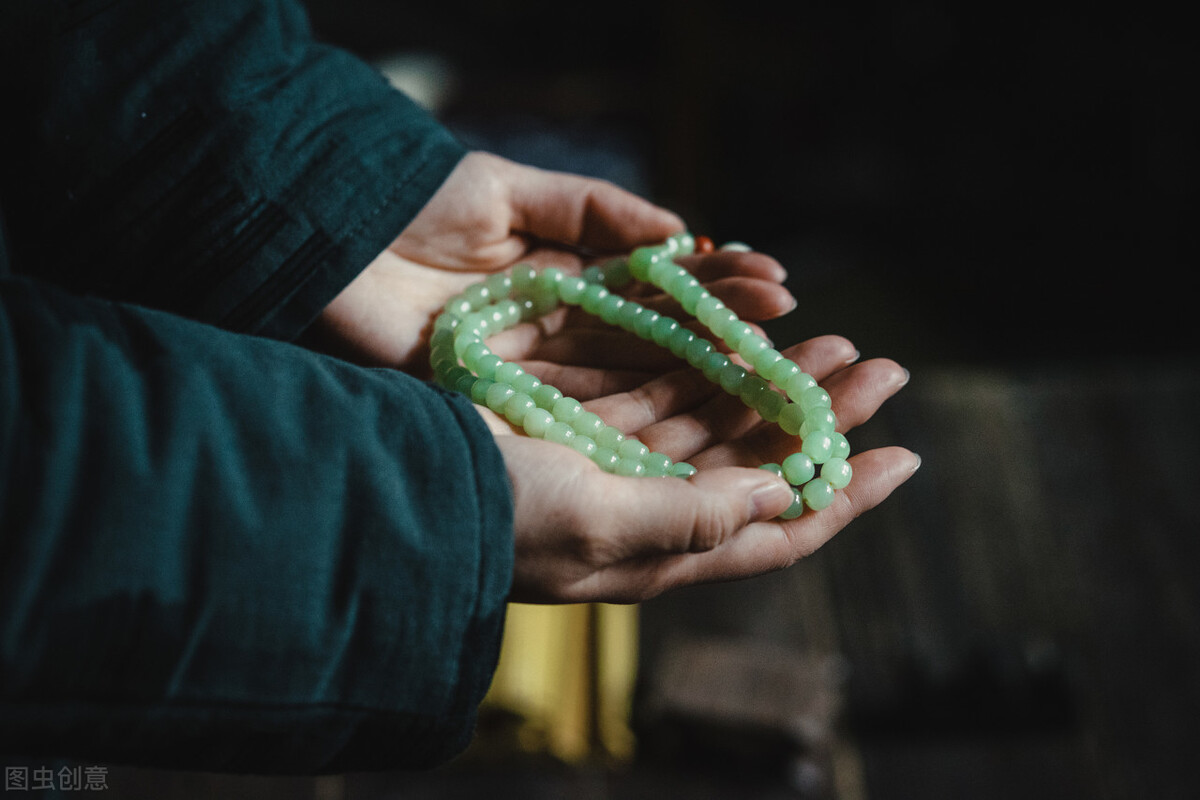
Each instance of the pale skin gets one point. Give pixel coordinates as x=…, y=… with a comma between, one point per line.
x=582, y=534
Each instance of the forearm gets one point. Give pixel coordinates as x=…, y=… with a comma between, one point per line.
x=209, y=159
x=226, y=553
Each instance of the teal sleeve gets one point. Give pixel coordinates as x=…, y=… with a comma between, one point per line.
x=225, y=553
x=204, y=157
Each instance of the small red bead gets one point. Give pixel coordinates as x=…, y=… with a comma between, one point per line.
x=704, y=245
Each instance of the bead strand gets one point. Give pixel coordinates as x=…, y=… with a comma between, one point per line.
x=774, y=386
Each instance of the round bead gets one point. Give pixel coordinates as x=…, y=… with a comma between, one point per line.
x=645, y=322
x=458, y=305
x=523, y=277
x=517, y=407
x=566, y=409
x=477, y=295
x=678, y=284
x=750, y=346
x=713, y=364
x=609, y=307
x=610, y=437
x=691, y=296
x=663, y=270
x=537, y=421
x=791, y=417
x=816, y=397
x=584, y=444
x=720, y=322
x=592, y=297
x=704, y=245
x=630, y=467
x=765, y=359
x=627, y=317
x=559, y=432
x=837, y=472
x=796, y=508
x=818, y=446
x=735, y=332
x=781, y=372
x=752, y=389
x=526, y=383
x=798, y=469
x=707, y=306
x=486, y=366
x=798, y=384
x=731, y=378
x=770, y=403
x=662, y=329
x=606, y=459
x=480, y=389
x=593, y=274
x=498, y=285
x=841, y=447
x=657, y=465
x=642, y=259
x=588, y=424
x=698, y=351
x=818, y=494
x=497, y=395
x=507, y=372
x=680, y=339
x=571, y=290
x=632, y=448
x=546, y=396
x=683, y=470
x=818, y=419
x=616, y=273
x=773, y=468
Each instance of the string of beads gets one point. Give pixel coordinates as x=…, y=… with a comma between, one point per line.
x=775, y=386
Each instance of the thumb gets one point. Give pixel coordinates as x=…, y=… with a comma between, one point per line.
x=585, y=212
x=675, y=516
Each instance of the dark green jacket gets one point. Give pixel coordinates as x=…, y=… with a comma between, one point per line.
x=218, y=550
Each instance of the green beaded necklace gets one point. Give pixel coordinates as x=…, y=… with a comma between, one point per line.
x=462, y=361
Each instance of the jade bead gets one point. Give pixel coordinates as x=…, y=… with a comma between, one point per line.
x=818, y=419
x=546, y=396
x=662, y=271
x=477, y=295
x=588, y=424
x=662, y=329
x=798, y=468
x=770, y=404
x=452, y=376
x=537, y=421
x=517, y=407
x=566, y=409
x=798, y=384
x=781, y=372
x=816, y=397
x=720, y=322
x=678, y=284
x=683, y=470
x=480, y=389
x=642, y=259
x=683, y=243
x=475, y=323
x=593, y=274
x=526, y=383
x=735, y=332
x=775, y=469
x=610, y=437
x=633, y=449
x=609, y=307
x=731, y=378
x=680, y=339
x=507, y=372
x=752, y=389
x=465, y=384
x=818, y=446
x=708, y=306
x=698, y=350
x=523, y=277
x=616, y=273
x=592, y=297
x=765, y=359
x=497, y=395
x=458, y=305
x=691, y=296
x=713, y=364
x=571, y=290
x=838, y=472
x=548, y=279
x=645, y=322
x=630, y=467
x=818, y=494
x=750, y=346
x=498, y=285
x=627, y=317
x=657, y=465
x=486, y=366
x=605, y=458
x=796, y=508
x=584, y=444
x=559, y=432
x=841, y=447
x=791, y=417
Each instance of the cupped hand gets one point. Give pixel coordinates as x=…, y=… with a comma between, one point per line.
x=489, y=215
x=585, y=535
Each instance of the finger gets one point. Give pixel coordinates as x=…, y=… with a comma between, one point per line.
x=725, y=418
x=586, y=383
x=773, y=545
x=729, y=264
x=654, y=400
x=857, y=393
x=749, y=298
x=585, y=212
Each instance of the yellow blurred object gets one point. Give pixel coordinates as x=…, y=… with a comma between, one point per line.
x=568, y=673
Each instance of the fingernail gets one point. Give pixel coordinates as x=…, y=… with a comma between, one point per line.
x=907, y=377
x=917, y=463
x=771, y=499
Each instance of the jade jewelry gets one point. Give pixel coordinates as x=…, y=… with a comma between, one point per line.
x=775, y=386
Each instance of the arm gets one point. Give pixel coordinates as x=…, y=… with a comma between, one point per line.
x=225, y=553
x=205, y=158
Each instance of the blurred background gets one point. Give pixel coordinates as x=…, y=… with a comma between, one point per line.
x=1002, y=198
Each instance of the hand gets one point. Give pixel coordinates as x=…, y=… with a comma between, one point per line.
x=585, y=535
x=489, y=215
